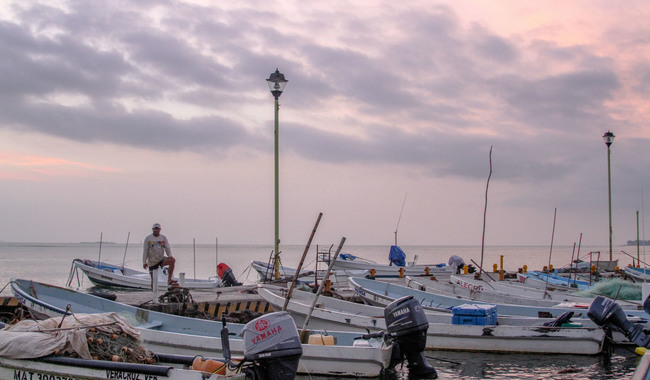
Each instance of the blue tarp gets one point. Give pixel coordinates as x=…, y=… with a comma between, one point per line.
x=397, y=256
x=347, y=256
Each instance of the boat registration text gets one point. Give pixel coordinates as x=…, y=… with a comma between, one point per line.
x=118, y=375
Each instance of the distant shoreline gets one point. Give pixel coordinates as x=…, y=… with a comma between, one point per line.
x=641, y=242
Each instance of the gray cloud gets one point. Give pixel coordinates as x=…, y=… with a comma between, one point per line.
x=434, y=74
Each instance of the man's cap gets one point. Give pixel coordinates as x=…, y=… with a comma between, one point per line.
x=155, y=225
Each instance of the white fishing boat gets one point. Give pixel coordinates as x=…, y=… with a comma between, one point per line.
x=639, y=274
x=266, y=272
x=188, y=336
x=381, y=293
x=105, y=274
x=543, y=280
x=331, y=313
x=35, y=350
x=396, y=268
x=600, y=265
x=472, y=290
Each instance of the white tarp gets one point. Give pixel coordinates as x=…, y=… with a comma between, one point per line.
x=33, y=339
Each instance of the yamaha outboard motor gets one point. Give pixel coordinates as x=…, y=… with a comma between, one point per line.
x=272, y=347
x=407, y=327
x=607, y=313
x=226, y=275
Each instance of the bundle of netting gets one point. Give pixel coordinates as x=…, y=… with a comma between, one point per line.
x=614, y=288
x=106, y=336
x=111, y=343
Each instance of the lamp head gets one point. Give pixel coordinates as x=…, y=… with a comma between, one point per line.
x=276, y=83
x=609, y=138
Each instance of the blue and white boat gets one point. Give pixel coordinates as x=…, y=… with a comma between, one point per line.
x=397, y=266
x=553, y=279
x=382, y=293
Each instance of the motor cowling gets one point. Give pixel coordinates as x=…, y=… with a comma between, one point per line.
x=272, y=343
x=607, y=313
x=226, y=275
x=407, y=325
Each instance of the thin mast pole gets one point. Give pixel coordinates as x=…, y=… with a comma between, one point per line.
x=485, y=214
x=400, y=217
x=125, y=248
x=548, y=275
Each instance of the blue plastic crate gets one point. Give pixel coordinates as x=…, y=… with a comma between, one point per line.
x=460, y=319
x=474, y=314
x=474, y=309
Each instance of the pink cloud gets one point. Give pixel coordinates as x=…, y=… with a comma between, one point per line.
x=24, y=167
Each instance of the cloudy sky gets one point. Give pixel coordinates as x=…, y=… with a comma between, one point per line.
x=118, y=114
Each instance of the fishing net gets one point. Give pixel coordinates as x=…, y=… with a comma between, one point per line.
x=105, y=336
x=112, y=343
x=614, y=288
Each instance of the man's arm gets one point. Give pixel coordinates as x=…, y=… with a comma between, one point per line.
x=168, y=249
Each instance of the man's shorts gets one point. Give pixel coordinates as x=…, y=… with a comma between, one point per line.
x=154, y=267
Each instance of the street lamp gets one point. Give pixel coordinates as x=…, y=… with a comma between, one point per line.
x=609, y=139
x=276, y=83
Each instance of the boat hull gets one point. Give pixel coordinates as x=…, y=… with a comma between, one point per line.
x=42, y=369
x=382, y=270
x=104, y=274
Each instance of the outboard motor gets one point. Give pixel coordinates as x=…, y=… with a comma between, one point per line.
x=607, y=313
x=272, y=347
x=226, y=275
x=407, y=327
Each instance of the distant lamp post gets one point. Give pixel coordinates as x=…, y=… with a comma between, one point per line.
x=609, y=139
x=276, y=83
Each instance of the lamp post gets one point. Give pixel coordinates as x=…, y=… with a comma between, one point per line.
x=609, y=139
x=276, y=83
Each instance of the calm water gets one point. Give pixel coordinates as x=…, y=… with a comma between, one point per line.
x=51, y=263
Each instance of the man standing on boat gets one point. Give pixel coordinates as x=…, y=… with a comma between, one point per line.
x=155, y=247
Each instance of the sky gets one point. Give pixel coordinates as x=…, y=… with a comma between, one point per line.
x=449, y=122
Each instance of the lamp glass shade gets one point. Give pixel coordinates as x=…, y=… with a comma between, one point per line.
x=609, y=138
x=276, y=83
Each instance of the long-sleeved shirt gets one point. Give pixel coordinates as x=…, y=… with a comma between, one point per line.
x=154, y=249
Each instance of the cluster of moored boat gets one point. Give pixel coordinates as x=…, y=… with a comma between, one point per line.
x=536, y=313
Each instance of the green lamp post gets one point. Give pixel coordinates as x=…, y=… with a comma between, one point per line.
x=609, y=139
x=276, y=83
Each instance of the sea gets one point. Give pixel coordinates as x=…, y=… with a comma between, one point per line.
x=51, y=263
